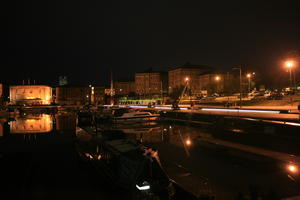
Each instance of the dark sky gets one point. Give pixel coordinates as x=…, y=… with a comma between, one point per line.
x=85, y=39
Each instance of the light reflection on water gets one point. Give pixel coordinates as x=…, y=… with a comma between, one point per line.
x=31, y=124
x=39, y=123
x=178, y=135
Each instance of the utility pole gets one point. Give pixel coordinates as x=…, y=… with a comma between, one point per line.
x=295, y=85
x=240, y=86
x=240, y=68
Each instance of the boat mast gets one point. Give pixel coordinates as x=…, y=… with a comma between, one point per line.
x=111, y=88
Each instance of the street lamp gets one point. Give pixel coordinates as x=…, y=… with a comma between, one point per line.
x=217, y=78
x=249, y=82
x=240, y=68
x=290, y=64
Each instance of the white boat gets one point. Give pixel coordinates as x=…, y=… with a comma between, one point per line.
x=124, y=114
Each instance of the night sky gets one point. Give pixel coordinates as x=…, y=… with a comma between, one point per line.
x=84, y=40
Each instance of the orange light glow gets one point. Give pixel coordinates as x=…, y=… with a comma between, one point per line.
x=187, y=79
x=248, y=75
x=217, y=78
x=292, y=168
x=289, y=63
x=188, y=142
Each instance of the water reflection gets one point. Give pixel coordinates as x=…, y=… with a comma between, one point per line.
x=31, y=124
x=40, y=123
x=65, y=122
x=180, y=136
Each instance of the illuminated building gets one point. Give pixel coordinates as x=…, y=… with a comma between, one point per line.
x=150, y=82
x=124, y=87
x=30, y=94
x=98, y=94
x=79, y=95
x=177, y=77
x=4, y=93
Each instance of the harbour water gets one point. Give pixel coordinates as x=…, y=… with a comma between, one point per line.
x=39, y=160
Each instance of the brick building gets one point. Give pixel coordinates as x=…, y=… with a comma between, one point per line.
x=177, y=77
x=216, y=82
x=151, y=82
x=79, y=95
x=123, y=88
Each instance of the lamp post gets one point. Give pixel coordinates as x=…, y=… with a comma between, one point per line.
x=217, y=78
x=240, y=68
x=184, y=89
x=249, y=82
x=290, y=64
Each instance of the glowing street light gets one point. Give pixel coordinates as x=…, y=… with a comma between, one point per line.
x=290, y=65
x=292, y=168
x=217, y=79
x=187, y=79
x=188, y=142
x=249, y=82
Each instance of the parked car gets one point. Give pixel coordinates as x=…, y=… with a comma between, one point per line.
x=275, y=96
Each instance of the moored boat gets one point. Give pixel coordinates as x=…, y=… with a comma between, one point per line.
x=124, y=163
x=124, y=114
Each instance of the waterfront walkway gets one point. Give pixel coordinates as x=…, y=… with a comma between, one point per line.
x=285, y=113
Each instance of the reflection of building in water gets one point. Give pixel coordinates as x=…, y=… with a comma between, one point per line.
x=32, y=124
x=65, y=122
x=30, y=94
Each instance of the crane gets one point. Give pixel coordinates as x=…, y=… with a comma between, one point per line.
x=176, y=103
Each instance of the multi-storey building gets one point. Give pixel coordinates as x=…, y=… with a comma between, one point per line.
x=124, y=87
x=30, y=94
x=79, y=95
x=151, y=82
x=97, y=95
x=187, y=72
x=216, y=82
